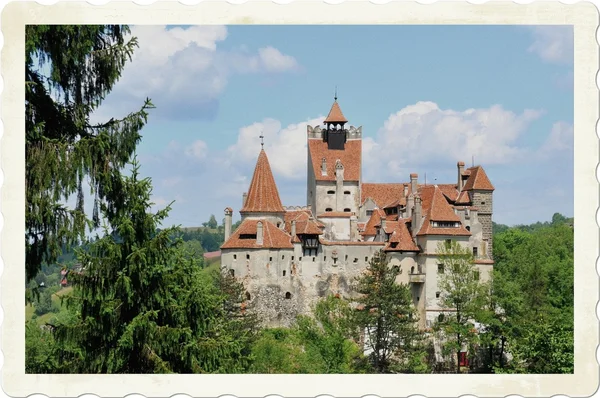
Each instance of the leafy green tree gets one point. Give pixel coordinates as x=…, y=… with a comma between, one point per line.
x=212, y=222
x=40, y=349
x=143, y=307
x=62, y=146
x=332, y=334
x=282, y=351
x=461, y=292
x=387, y=316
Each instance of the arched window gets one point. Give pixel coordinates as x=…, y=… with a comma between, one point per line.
x=412, y=270
x=288, y=295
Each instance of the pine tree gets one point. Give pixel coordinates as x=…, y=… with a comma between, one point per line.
x=145, y=306
x=62, y=146
x=387, y=316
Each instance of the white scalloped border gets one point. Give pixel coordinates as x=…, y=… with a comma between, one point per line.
x=583, y=15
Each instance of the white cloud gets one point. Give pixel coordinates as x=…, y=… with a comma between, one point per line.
x=183, y=71
x=286, y=148
x=197, y=150
x=424, y=133
x=274, y=61
x=560, y=138
x=553, y=44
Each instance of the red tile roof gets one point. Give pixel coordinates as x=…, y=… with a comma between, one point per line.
x=428, y=229
x=350, y=243
x=335, y=114
x=273, y=237
x=335, y=214
x=383, y=193
x=402, y=237
x=350, y=158
x=478, y=180
x=212, y=254
x=463, y=198
x=449, y=190
x=304, y=224
x=374, y=221
x=263, y=196
x=440, y=209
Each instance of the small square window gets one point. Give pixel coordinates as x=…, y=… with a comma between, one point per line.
x=235, y=256
x=437, y=294
x=355, y=259
x=247, y=257
x=299, y=258
x=366, y=259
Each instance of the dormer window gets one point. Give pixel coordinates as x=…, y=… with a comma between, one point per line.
x=445, y=224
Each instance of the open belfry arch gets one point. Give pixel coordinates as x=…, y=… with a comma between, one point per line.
x=290, y=257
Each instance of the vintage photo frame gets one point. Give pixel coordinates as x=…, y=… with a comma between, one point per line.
x=583, y=16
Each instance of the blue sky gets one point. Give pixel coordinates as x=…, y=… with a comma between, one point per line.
x=426, y=96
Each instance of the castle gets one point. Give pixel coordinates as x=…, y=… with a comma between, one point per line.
x=289, y=257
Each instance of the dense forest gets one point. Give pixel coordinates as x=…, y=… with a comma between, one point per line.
x=116, y=292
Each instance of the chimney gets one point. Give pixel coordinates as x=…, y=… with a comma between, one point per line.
x=406, y=190
x=353, y=228
x=413, y=183
x=228, y=213
x=259, y=233
x=410, y=203
x=293, y=228
x=461, y=168
x=323, y=167
x=244, y=198
x=382, y=230
x=416, y=219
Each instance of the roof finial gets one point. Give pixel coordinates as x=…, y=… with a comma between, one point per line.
x=335, y=96
x=262, y=142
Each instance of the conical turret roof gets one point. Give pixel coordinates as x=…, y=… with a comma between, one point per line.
x=263, y=196
x=335, y=114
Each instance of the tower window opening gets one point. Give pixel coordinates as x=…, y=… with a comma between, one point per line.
x=328, y=209
x=330, y=192
x=282, y=257
x=437, y=294
x=355, y=259
x=232, y=272
x=346, y=192
x=288, y=295
x=248, y=297
x=247, y=257
x=235, y=256
x=346, y=258
x=283, y=272
x=347, y=210
x=366, y=259
x=292, y=258
x=270, y=258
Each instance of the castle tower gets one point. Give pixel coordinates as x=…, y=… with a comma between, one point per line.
x=334, y=165
x=481, y=190
x=263, y=197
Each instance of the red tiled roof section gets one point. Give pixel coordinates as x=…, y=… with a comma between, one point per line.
x=428, y=229
x=273, y=237
x=349, y=243
x=350, y=158
x=440, y=208
x=304, y=224
x=402, y=237
x=374, y=221
x=449, y=190
x=335, y=214
x=463, y=198
x=335, y=114
x=384, y=194
x=263, y=196
x=478, y=180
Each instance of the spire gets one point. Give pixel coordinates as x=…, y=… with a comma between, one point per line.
x=263, y=196
x=335, y=114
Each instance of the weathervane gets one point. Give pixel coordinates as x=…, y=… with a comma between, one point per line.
x=335, y=96
x=262, y=142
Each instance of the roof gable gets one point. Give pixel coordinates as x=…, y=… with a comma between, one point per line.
x=440, y=209
x=478, y=180
x=273, y=237
x=263, y=196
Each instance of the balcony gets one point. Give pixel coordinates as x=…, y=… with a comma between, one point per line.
x=416, y=278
